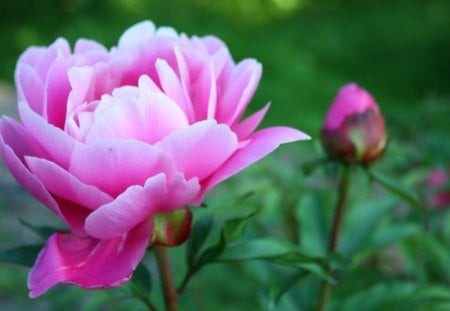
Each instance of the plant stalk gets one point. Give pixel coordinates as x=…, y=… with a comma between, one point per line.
x=338, y=219
x=169, y=291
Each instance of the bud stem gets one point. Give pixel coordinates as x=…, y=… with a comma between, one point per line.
x=338, y=218
x=170, y=293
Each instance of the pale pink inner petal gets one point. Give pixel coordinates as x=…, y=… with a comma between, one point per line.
x=114, y=165
x=87, y=262
x=200, y=149
x=148, y=118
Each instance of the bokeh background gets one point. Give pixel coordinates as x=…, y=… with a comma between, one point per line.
x=398, y=50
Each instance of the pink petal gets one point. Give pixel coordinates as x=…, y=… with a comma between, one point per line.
x=56, y=142
x=137, y=35
x=114, y=165
x=238, y=91
x=148, y=118
x=260, y=144
x=66, y=186
x=129, y=209
x=246, y=127
x=57, y=89
x=86, y=262
x=14, y=145
x=172, y=87
x=30, y=87
x=139, y=203
x=84, y=46
x=200, y=149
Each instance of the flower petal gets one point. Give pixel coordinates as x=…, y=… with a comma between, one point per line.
x=86, y=262
x=200, y=149
x=14, y=145
x=45, y=133
x=139, y=203
x=148, y=118
x=246, y=127
x=260, y=144
x=137, y=35
x=30, y=87
x=64, y=185
x=114, y=165
x=129, y=209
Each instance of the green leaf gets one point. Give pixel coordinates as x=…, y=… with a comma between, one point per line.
x=43, y=231
x=210, y=254
x=234, y=228
x=199, y=233
x=278, y=289
x=142, y=279
x=23, y=255
x=311, y=166
x=399, y=190
x=276, y=252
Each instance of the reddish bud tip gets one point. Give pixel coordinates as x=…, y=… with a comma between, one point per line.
x=172, y=228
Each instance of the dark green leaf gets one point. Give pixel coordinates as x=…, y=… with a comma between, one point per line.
x=234, y=228
x=210, y=254
x=199, y=233
x=311, y=166
x=278, y=289
x=399, y=190
x=43, y=231
x=23, y=255
x=142, y=279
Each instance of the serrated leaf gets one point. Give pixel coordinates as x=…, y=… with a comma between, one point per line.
x=23, y=255
x=199, y=233
x=43, y=231
x=399, y=190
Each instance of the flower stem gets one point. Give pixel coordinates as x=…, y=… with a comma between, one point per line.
x=338, y=218
x=170, y=293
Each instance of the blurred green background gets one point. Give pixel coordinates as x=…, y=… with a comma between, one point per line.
x=398, y=50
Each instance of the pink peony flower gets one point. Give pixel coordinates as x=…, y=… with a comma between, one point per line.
x=354, y=130
x=109, y=139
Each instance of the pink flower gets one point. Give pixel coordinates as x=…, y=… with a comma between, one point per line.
x=354, y=130
x=437, y=182
x=109, y=139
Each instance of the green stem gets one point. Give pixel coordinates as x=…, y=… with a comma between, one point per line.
x=169, y=291
x=338, y=218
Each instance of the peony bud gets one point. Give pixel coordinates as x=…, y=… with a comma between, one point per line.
x=354, y=130
x=172, y=228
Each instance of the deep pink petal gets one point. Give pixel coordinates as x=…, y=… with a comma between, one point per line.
x=57, y=143
x=114, y=165
x=260, y=144
x=246, y=127
x=64, y=185
x=200, y=149
x=87, y=262
x=57, y=90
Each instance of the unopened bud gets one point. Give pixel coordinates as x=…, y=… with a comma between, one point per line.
x=172, y=228
x=354, y=130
